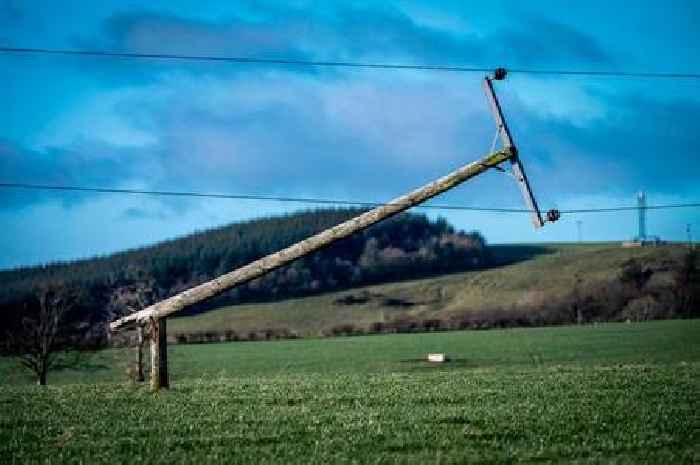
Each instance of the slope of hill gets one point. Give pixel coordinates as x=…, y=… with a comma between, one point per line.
x=409, y=245
x=556, y=284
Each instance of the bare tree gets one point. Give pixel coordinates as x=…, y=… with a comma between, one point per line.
x=43, y=331
x=132, y=298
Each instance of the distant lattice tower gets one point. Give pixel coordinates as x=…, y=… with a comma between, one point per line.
x=642, y=207
x=643, y=239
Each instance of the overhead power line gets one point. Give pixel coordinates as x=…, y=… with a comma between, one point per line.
x=344, y=64
x=320, y=201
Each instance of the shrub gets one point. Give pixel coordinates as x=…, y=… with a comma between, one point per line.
x=346, y=329
x=377, y=327
x=404, y=324
x=432, y=324
x=643, y=309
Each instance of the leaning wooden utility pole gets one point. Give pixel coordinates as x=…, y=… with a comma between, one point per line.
x=156, y=314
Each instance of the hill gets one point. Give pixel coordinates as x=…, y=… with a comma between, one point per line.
x=536, y=285
x=409, y=245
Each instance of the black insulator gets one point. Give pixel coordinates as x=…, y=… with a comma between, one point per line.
x=500, y=74
x=553, y=215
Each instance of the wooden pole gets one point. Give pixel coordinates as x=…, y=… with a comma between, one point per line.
x=139, y=354
x=276, y=260
x=159, y=354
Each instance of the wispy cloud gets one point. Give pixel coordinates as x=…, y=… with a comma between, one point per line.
x=339, y=31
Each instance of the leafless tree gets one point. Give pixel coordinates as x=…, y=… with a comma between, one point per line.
x=129, y=299
x=44, y=330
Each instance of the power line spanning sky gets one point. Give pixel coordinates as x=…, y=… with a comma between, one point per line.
x=337, y=133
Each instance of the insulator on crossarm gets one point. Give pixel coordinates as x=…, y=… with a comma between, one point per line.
x=499, y=74
x=553, y=215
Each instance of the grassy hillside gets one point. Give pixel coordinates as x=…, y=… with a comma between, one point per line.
x=104, y=288
x=539, y=276
x=610, y=393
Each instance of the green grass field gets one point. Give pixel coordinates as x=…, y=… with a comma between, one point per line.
x=537, y=275
x=612, y=393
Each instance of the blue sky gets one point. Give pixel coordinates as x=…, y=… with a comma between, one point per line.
x=338, y=133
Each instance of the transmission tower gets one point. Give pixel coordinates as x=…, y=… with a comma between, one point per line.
x=642, y=208
x=579, y=235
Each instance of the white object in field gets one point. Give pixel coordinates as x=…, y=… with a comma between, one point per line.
x=436, y=358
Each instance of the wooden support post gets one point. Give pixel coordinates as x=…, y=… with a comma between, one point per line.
x=139, y=354
x=159, y=354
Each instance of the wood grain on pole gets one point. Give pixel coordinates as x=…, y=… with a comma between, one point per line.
x=323, y=239
x=139, y=354
x=159, y=354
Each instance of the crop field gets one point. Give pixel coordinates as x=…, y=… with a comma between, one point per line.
x=612, y=393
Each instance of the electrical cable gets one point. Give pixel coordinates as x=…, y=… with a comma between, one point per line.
x=348, y=64
x=314, y=200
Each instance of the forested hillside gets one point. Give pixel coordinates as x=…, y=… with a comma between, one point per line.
x=407, y=246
